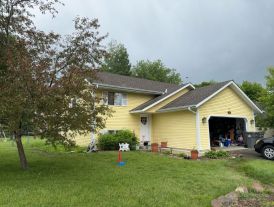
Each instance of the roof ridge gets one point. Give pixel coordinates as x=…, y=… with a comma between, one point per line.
x=138, y=78
x=214, y=84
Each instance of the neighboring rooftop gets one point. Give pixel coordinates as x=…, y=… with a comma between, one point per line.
x=127, y=82
x=194, y=97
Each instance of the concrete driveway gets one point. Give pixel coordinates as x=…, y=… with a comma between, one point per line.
x=247, y=153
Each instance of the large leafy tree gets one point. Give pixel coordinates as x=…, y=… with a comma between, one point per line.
x=267, y=100
x=40, y=75
x=156, y=70
x=253, y=90
x=205, y=83
x=117, y=60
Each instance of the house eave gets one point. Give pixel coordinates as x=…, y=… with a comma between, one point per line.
x=127, y=89
x=179, y=108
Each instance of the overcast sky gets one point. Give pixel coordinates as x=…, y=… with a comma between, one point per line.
x=201, y=39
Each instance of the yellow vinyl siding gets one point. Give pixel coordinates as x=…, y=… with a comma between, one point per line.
x=178, y=129
x=123, y=119
x=168, y=100
x=225, y=101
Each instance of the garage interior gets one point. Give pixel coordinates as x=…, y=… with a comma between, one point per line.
x=226, y=132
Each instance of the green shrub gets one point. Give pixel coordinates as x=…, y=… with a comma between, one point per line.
x=222, y=154
x=216, y=154
x=211, y=154
x=166, y=152
x=181, y=155
x=111, y=141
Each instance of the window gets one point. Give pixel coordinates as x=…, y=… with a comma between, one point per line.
x=115, y=99
x=110, y=98
x=111, y=131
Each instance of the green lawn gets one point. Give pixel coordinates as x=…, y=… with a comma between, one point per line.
x=78, y=179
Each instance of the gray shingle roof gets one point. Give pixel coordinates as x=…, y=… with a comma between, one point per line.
x=158, y=98
x=194, y=97
x=111, y=79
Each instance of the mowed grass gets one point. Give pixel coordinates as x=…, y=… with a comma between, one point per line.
x=57, y=178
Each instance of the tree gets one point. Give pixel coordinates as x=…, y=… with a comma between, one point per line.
x=42, y=73
x=267, y=120
x=157, y=71
x=205, y=83
x=117, y=60
x=253, y=90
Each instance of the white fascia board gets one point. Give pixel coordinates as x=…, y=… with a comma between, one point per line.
x=174, y=92
x=179, y=108
x=127, y=89
x=238, y=91
x=136, y=112
x=190, y=85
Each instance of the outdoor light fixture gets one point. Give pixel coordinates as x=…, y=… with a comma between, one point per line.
x=252, y=121
x=204, y=120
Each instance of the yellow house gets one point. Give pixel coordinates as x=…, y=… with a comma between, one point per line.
x=180, y=115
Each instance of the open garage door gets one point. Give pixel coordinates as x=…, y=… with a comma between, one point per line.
x=226, y=131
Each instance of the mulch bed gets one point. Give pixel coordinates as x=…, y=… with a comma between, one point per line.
x=260, y=200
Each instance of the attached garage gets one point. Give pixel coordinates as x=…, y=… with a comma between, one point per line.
x=221, y=111
x=226, y=128
x=228, y=113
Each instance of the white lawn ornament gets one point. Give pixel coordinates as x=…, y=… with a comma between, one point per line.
x=124, y=147
x=92, y=146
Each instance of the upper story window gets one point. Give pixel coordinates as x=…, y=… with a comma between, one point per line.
x=115, y=99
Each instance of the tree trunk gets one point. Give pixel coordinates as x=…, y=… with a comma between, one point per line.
x=21, y=152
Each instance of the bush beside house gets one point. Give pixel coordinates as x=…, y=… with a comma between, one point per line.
x=216, y=154
x=111, y=141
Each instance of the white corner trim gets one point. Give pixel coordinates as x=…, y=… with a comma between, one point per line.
x=174, y=92
x=238, y=91
x=198, y=131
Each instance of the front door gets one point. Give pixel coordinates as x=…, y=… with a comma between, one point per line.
x=144, y=128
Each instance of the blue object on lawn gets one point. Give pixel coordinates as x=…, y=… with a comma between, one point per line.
x=226, y=143
x=121, y=164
